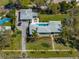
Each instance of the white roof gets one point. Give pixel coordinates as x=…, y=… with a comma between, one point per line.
x=46, y=27
x=27, y=14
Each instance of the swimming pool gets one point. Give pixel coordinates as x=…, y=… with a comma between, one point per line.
x=41, y=24
x=4, y=20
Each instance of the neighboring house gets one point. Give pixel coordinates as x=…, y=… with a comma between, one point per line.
x=27, y=14
x=57, y=1
x=46, y=28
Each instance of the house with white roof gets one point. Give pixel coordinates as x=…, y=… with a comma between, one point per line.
x=42, y=28
x=46, y=28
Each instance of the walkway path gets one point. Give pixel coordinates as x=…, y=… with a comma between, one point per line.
x=52, y=58
x=24, y=26
x=52, y=38
x=35, y=50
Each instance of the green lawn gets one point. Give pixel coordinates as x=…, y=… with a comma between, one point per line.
x=52, y=54
x=40, y=44
x=3, y=2
x=58, y=17
x=36, y=45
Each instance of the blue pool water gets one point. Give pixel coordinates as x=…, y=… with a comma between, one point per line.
x=4, y=20
x=41, y=24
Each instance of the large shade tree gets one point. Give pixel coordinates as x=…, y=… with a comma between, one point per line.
x=70, y=29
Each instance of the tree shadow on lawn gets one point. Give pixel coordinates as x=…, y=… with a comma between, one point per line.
x=60, y=41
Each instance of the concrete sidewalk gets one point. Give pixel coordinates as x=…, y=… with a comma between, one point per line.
x=51, y=58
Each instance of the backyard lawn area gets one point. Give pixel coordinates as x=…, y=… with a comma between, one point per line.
x=43, y=43
x=58, y=17
x=3, y=2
